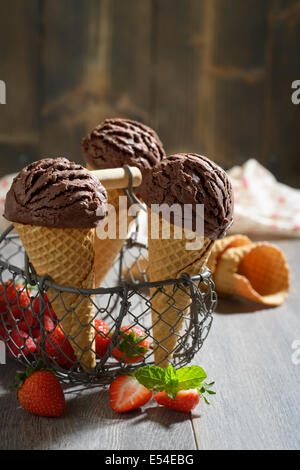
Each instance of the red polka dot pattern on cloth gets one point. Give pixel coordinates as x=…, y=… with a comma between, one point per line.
x=262, y=205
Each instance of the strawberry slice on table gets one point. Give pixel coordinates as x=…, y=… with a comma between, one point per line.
x=127, y=394
x=185, y=400
x=133, y=345
x=40, y=392
x=179, y=389
x=102, y=339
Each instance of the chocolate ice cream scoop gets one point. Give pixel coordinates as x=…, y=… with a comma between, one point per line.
x=193, y=179
x=56, y=193
x=118, y=142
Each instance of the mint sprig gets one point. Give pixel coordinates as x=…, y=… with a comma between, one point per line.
x=172, y=381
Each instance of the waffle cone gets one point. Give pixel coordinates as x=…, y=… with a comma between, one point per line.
x=257, y=272
x=169, y=258
x=106, y=250
x=220, y=246
x=67, y=256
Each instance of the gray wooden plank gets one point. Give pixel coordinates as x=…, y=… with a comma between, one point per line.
x=178, y=50
x=89, y=423
x=282, y=117
x=19, y=52
x=249, y=354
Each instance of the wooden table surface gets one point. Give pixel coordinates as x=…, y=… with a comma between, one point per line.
x=248, y=353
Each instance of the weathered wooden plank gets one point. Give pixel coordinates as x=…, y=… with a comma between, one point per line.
x=231, y=92
x=101, y=71
x=19, y=52
x=89, y=423
x=249, y=354
x=282, y=117
x=64, y=60
x=131, y=58
x=178, y=44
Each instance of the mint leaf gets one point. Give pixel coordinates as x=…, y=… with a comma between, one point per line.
x=152, y=377
x=206, y=388
x=171, y=382
x=190, y=377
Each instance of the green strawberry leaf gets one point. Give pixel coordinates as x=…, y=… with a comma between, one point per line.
x=131, y=344
x=206, y=388
x=190, y=377
x=171, y=382
x=152, y=377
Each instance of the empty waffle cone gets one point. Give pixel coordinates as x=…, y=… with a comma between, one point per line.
x=257, y=272
x=169, y=258
x=67, y=256
x=220, y=246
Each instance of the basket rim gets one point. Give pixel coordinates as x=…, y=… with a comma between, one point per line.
x=47, y=282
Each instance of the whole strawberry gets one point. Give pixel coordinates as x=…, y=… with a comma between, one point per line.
x=133, y=345
x=39, y=392
x=102, y=339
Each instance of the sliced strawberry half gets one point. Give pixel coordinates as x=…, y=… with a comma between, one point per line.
x=185, y=400
x=127, y=394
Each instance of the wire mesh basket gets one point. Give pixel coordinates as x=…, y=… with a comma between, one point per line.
x=29, y=327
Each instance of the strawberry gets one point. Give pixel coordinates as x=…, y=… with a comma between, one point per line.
x=39, y=392
x=21, y=316
x=10, y=292
x=133, y=345
x=58, y=347
x=102, y=339
x=49, y=326
x=3, y=306
x=127, y=394
x=185, y=400
x=19, y=342
x=3, y=331
x=179, y=389
x=48, y=310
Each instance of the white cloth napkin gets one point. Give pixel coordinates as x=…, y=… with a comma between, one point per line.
x=262, y=205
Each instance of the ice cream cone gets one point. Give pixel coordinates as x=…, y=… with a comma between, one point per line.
x=257, y=272
x=220, y=246
x=106, y=250
x=169, y=258
x=67, y=256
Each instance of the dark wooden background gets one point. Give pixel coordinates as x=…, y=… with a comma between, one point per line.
x=211, y=76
